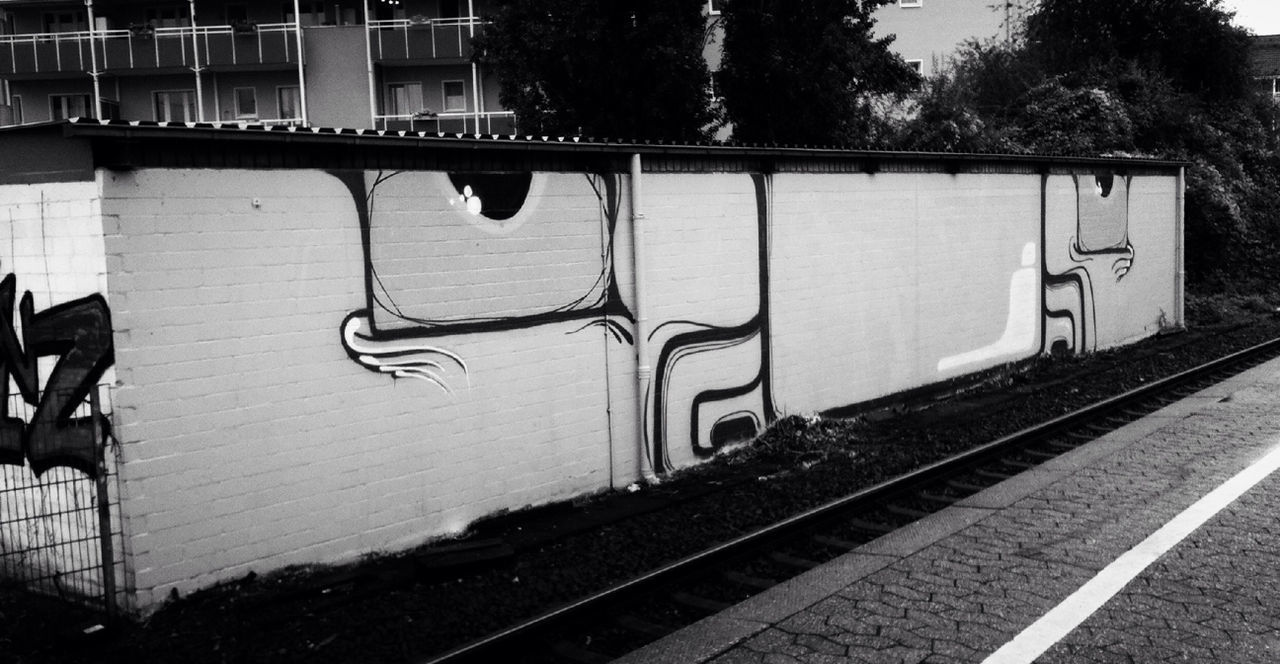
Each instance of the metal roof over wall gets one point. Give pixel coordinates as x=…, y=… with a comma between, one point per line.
x=72, y=150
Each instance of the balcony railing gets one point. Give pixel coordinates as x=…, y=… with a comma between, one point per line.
x=496, y=122
x=144, y=47
x=423, y=39
x=270, y=122
x=268, y=43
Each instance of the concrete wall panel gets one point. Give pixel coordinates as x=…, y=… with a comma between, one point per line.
x=887, y=282
x=258, y=436
x=314, y=365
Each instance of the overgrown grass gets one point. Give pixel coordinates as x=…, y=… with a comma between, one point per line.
x=1225, y=307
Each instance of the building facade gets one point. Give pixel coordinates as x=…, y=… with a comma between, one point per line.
x=385, y=64
x=1265, y=59
x=381, y=64
x=928, y=32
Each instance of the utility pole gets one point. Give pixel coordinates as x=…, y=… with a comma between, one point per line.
x=93, y=61
x=302, y=79
x=475, y=72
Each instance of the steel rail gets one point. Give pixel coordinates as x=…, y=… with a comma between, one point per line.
x=897, y=485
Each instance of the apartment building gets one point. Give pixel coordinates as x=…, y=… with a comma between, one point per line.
x=928, y=32
x=386, y=64
x=1264, y=56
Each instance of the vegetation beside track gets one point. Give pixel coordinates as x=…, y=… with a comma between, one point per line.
x=407, y=607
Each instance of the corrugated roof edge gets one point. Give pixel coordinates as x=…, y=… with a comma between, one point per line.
x=89, y=127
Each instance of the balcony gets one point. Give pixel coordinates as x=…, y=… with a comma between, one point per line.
x=422, y=39
x=497, y=122
x=146, y=48
x=248, y=44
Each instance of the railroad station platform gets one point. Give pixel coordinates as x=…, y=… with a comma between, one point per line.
x=1158, y=542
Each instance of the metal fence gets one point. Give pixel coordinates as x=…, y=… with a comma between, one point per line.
x=60, y=532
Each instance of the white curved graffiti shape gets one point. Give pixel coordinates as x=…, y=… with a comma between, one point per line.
x=402, y=359
x=1020, y=327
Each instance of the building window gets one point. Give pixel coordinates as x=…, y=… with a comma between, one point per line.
x=236, y=14
x=312, y=13
x=110, y=109
x=455, y=96
x=65, y=22
x=175, y=106
x=347, y=14
x=168, y=17
x=16, y=102
x=910, y=3
x=404, y=98
x=62, y=107
x=289, y=102
x=917, y=66
x=385, y=12
x=713, y=7
x=246, y=103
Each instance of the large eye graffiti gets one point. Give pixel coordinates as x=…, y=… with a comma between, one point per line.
x=1103, y=210
x=496, y=196
x=1103, y=183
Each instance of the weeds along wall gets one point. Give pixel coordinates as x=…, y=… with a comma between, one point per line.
x=313, y=363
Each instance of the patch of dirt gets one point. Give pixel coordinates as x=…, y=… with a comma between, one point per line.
x=409, y=606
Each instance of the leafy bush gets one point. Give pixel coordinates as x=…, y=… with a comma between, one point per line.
x=808, y=72
x=618, y=69
x=1147, y=78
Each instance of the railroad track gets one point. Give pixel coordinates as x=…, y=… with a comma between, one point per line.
x=610, y=623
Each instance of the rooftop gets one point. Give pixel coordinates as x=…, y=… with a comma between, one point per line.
x=125, y=145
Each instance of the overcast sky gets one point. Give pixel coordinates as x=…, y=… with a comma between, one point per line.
x=1260, y=16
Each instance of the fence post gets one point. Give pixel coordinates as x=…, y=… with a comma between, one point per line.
x=104, y=509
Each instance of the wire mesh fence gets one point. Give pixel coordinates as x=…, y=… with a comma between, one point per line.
x=60, y=531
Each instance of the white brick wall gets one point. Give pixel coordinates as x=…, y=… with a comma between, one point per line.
x=1139, y=302
x=878, y=277
x=51, y=239
x=252, y=440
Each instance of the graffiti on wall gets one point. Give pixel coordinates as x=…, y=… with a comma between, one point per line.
x=444, y=251
x=421, y=232
x=451, y=255
x=79, y=334
x=1098, y=255
x=717, y=414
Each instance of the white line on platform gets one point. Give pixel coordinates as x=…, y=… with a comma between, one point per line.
x=1053, y=626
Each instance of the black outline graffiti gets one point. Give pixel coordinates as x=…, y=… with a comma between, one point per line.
x=717, y=338
x=607, y=305
x=79, y=332
x=499, y=195
x=607, y=308
x=1079, y=277
x=1124, y=252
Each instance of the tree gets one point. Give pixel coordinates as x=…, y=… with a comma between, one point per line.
x=1153, y=78
x=1191, y=42
x=807, y=71
x=630, y=69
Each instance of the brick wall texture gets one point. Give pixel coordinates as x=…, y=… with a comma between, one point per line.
x=316, y=365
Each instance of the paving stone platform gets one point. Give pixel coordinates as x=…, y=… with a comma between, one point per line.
x=958, y=585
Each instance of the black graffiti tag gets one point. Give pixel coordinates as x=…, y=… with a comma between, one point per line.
x=78, y=333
